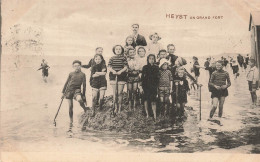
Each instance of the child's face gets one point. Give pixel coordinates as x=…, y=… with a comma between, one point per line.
x=131, y=53
x=164, y=66
x=194, y=60
x=99, y=51
x=155, y=38
x=180, y=74
x=141, y=52
x=129, y=41
x=171, y=49
x=218, y=66
x=163, y=55
x=76, y=67
x=98, y=60
x=118, y=50
x=151, y=60
x=251, y=64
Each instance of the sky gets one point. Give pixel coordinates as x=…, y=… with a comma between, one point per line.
x=77, y=27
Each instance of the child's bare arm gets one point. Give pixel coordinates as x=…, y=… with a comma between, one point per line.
x=84, y=85
x=66, y=84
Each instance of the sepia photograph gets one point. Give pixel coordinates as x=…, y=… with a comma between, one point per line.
x=133, y=80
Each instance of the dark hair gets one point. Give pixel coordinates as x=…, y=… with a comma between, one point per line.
x=170, y=45
x=162, y=50
x=102, y=60
x=252, y=60
x=150, y=55
x=141, y=48
x=135, y=24
x=76, y=61
x=99, y=48
x=220, y=62
x=195, y=58
x=129, y=49
x=115, y=48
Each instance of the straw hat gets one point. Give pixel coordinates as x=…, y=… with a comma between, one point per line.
x=163, y=61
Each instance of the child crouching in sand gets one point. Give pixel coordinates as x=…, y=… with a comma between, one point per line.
x=165, y=86
x=181, y=88
x=72, y=88
x=98, y=81
x=252, y=78
x=150, y=80
x=219, y=82
x=117, y=66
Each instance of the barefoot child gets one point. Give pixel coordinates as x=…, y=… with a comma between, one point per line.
x=150, y=81
x=165, y=86
x=219, y=83
x=72, y=88
x=252, y=78
x=45, y=70
x=133, y=78
x=98, y=81
x=117, y=66
x=142, y=61
x=99, y=51
x=183, y=89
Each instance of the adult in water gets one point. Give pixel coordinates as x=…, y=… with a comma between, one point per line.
x=45, y=70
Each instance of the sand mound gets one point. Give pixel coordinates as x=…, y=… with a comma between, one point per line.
x=128, y=120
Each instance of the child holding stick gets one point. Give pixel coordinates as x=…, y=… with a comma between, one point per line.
x=117, y=66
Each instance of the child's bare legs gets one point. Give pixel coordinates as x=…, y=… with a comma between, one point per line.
x=101, y=97
x=114, y=98
x=221, y=105
x=162, y=105
x=146, y=108
x=178, y=107
x=135, y=85
x=215, y=101
x=94, y=99
x=182, y=105
x=253, y=96
x=130, y=94
x=70, y=101
x=81, y=103
x=120, y=95
x=166, y=105
x=154, y=109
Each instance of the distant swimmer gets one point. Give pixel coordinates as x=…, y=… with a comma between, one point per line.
x=45, y=70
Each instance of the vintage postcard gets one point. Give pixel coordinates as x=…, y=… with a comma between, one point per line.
x=134, y=80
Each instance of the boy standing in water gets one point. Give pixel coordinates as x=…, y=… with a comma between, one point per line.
x=72, y=88
x=219, y=82
x=45, y=72
x=252, y=78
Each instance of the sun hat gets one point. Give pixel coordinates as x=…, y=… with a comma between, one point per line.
x=163, y=61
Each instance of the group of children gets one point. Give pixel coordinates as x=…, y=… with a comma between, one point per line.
x=154, y=78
